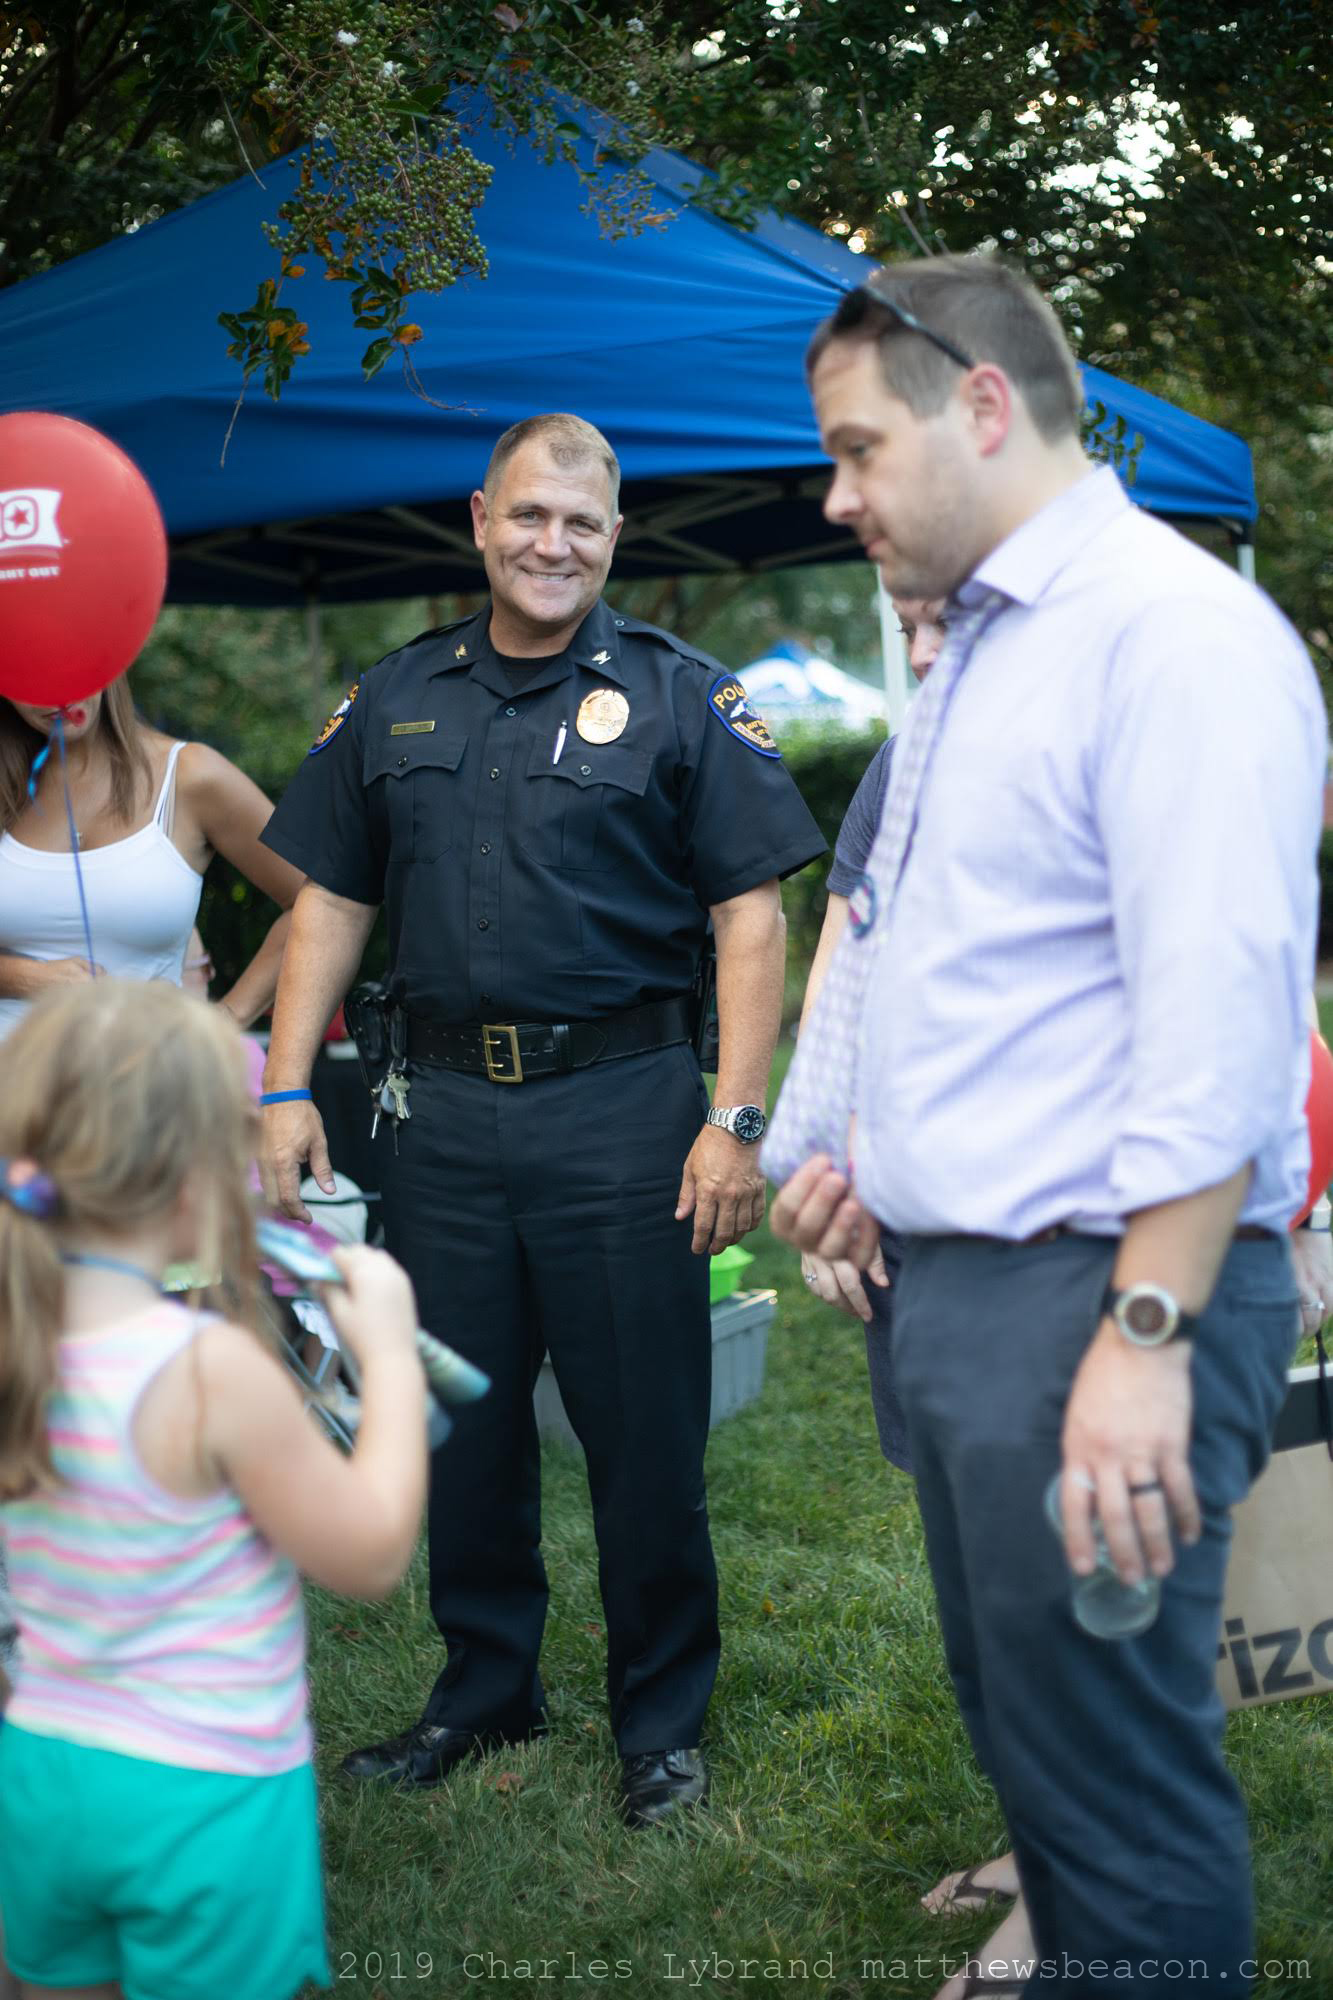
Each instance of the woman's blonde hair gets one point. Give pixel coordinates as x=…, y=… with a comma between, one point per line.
x=119, y=727
x=118, y=1092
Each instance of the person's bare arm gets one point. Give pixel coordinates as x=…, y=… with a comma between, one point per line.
x=252, y=994
x=328, y=935
x=722, y=1186
x=1312, y=1262
x=348, y=1523
x=1129, y=1415
x=24, y=978
x=220, y=811
x=832, y=928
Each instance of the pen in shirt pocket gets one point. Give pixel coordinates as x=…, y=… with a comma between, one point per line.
x=560, y=735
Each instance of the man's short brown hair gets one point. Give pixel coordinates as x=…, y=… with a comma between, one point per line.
x=570, y=441
x=983, y=306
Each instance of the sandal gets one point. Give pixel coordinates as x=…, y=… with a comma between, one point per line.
x=969, y=1895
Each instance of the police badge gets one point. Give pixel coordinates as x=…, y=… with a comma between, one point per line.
x=602, y=715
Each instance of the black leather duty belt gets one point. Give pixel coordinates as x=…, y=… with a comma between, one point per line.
x=518, y=1051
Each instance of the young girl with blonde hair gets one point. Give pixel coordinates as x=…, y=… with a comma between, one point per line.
x=160, y=1488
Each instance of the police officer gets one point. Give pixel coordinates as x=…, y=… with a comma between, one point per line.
x=552, y=801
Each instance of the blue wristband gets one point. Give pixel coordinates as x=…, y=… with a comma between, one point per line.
x=287, y=1096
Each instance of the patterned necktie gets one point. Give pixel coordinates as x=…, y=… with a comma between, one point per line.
x=814, y=1110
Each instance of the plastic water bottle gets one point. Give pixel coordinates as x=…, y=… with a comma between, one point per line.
x=1105, y=1607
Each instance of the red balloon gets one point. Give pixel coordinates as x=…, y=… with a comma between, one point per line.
x=1319, y=1117
x=83, y=559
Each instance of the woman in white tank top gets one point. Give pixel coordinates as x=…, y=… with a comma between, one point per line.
x=149, y=815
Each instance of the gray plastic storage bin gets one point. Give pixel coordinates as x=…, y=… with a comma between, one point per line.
x=740, y=1347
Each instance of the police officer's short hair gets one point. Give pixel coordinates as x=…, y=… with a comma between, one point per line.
x=570, y=441
x=981, y=306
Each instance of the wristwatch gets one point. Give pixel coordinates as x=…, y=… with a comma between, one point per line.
x=1147, y=1315
x=745, y=1122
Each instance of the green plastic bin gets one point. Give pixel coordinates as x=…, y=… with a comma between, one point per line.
x=725, y=1272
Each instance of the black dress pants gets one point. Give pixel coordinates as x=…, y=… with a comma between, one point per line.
x=540, y=1217
x=1128, y=1828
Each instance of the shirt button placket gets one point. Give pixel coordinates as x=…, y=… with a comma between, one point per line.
x=498, y=750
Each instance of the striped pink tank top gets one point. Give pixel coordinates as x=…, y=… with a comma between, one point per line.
x=156, y=1626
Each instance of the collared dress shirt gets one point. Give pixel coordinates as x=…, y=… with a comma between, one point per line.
x=530, y=870
x=1091, y=998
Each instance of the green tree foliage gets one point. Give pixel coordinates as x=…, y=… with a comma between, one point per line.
x=1161, y=166
x=112, y=115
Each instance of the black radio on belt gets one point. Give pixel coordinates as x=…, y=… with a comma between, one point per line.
x=377, y=1023
x=704, y=993
x=365, y=1012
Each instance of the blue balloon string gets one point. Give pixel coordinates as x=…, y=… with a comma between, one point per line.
x=73, y=838
x=37, y=764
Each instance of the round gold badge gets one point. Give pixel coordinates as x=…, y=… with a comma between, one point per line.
x=602, y=715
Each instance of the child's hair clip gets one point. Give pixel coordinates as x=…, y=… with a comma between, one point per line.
x=25, y=1187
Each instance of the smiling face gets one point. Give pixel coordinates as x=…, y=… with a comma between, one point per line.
x=546, y=533
x=907, y=486
x=80, y=717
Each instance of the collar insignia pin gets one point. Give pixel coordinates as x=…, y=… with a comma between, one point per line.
x=460, y=651
x=600, y=659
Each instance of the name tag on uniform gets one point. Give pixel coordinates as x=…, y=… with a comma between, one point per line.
x=411, y=728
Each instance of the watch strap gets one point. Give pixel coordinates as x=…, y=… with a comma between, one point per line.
x=1186, y=1326
x=727, y=1116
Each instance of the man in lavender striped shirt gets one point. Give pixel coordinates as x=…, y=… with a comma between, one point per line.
x=1077, y=1092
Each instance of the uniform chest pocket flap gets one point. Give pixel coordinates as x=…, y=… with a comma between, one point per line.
x=574, y=810
x=422, y=777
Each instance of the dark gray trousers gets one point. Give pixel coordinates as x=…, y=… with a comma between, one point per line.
x=1129, y=1830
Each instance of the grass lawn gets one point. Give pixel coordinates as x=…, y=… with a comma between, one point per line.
x=842, y=1782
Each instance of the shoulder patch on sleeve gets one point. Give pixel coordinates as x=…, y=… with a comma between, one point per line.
x=731, y=705
x=335, y=722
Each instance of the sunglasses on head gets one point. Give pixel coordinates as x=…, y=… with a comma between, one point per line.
x=872, y=290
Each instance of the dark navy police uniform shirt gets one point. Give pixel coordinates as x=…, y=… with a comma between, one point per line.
x=522, y=886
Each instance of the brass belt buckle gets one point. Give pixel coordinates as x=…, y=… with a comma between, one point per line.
x=506, y=1037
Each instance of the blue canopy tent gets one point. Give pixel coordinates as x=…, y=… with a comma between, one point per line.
x=790, y=683
x=684, y=344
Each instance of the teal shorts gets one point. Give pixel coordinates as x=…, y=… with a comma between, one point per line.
x=181, y=1884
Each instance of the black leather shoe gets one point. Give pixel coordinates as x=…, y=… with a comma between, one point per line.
x=656, y=1784
x=426, y=1753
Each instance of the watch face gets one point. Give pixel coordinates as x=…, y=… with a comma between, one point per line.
x=749, y=1123
x=1146, y=1316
